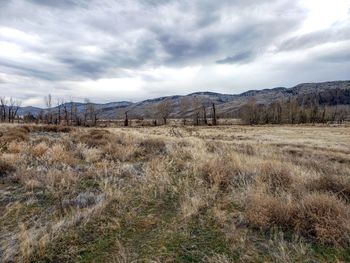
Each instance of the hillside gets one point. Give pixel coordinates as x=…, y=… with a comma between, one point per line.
x=327, y=93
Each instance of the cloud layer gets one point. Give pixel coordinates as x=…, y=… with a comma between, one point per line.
x=130, y=50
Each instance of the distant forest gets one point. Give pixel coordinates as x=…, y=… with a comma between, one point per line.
x=327, y=106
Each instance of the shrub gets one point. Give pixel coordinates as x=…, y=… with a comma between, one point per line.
x=48, y=128
x=219, y=170
x=58, y=154
x=319, y=217
x=92, y=155
x=324, y=218
x=15, y=134
x=95, y=138
x=39, y=150
x=264, y=211
x=276, y=176
x=5, y=168
x=152, y=146
x=331, y=183
x=119, y=152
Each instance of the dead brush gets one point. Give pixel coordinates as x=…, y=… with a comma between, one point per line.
x=214, y=146
x=180, y=159
x=338, y=185
x=6, y=168
x=324, y=218
x=152, y=146
x=218, y=170
x=58, y=154
x=264, y=211
x=50, y=128
x=275, y=175
x=13, y=134
x=39, y=150
x=94, y=137
x=119, y=152
x=319, y=217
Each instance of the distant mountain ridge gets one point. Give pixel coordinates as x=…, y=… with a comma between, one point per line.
x=227, y=104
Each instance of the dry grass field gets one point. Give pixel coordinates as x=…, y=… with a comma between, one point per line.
x=175, y=194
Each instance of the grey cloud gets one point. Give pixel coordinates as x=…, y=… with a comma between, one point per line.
x=188, y=33
x=242, y=57
x=91, y=39
x=57, y=3
x=316, y=38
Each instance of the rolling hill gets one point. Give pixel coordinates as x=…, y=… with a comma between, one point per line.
x=228, y=105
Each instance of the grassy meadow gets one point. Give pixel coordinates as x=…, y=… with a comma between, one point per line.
x=175, y=194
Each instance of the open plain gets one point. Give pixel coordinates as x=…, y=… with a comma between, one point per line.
x=175, y=194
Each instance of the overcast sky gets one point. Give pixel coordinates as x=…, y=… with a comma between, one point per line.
x=136, y=49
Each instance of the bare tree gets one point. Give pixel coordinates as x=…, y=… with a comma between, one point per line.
x=248, y=112
x=48, y=104
x=93, y=112
x=86, y=111
x=66, y=114
x=71, y=111
x=3, y=102
x=10, y=109
x=204, y=110
x=59, y=110
x=17, y=105
x=185, y=106
x=126, y=120
x=164, y=109
x=214, y=122
x=196, y=108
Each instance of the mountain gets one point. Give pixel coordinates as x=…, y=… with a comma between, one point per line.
x=228, y=105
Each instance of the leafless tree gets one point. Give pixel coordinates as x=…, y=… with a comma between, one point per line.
x=66, y=113
x=164, y=109
x=48, y=104
x=185, y=106
x=86, y=111
x=196, y=108
x=17, y=105
x=3, y=102
x=214, y=122
x=59, y=110
x=126, y=120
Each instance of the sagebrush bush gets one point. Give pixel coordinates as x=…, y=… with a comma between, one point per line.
x=119, y=152
x=50, y=128
x=15, y=134
x=39, y=149
x=264, y=211
x=219, y=170
x=319, y=217
x=95, y=137
x=324, y=218
x=151, y=146
x=5, y=168
x=58, y=154
x=276, y=175
x=338, y=185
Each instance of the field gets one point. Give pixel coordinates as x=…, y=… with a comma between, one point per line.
x=175, y=194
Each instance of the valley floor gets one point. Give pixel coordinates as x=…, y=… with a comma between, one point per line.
x=175, y=194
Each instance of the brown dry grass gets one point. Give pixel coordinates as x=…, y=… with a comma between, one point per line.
x=165, y=194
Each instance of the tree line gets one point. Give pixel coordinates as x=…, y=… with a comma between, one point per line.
x=192, y=110
x=9, y=109
x=291, y=111
x=60, y=112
